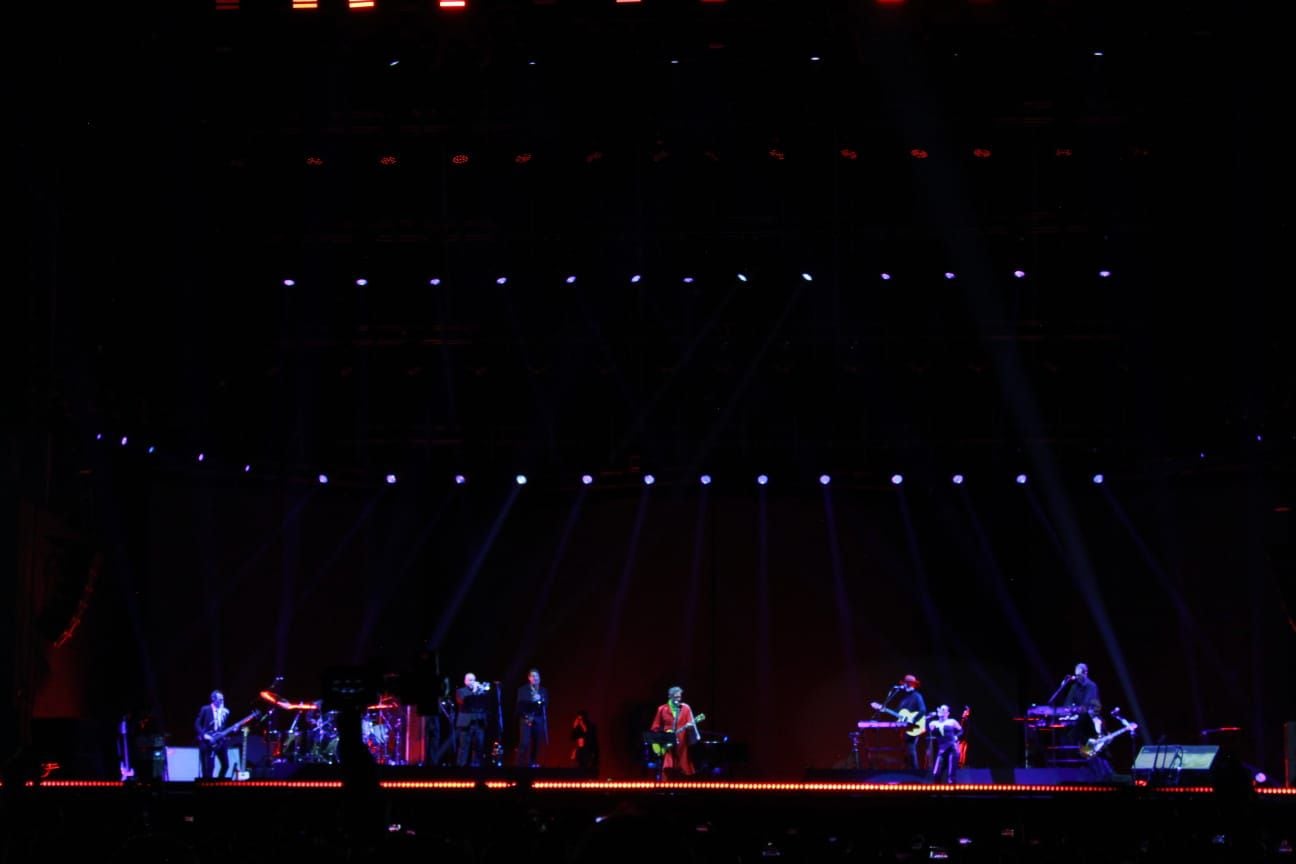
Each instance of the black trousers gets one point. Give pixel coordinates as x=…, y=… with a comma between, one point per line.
x=911, y=748
x=472, y=743
x=207, y=750
x=531, y=738
x=945, y=765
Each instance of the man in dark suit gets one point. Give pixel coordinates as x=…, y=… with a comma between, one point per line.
x=1081, y=695
x=533, y=720
x=470, y=725
x=212, y=717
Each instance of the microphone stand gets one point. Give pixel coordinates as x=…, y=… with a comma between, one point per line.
x=1058, y=691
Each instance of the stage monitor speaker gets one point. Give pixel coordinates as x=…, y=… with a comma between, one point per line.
x=182, y=763
x=1175, y=764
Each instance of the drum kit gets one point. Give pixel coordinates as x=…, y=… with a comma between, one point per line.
x=312, y=735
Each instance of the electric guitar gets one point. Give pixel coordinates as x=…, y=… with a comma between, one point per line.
x=690, y=734
x=1094, y=746
x=219, y=735
x=917, y=722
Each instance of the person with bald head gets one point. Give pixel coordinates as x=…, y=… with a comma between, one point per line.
x=472, y=700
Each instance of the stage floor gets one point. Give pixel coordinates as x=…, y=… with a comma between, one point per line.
x=563, y=819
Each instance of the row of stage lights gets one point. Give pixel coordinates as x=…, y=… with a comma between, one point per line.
x=775, y=154
x=648, y=479
x=463, y=5
x=636, y=278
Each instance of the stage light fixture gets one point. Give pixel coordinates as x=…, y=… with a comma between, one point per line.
x=1104, y=274
x=634, y=280
x=649, y=479
x=460, y=479
x=391, y=479
x=124, y=441
x=705, y=479
x=434, y=281
x=570, y=280
x=202, y=457
x=807, y=277
x=762, y=479
x=502, y=280
x=289, y=283
x=520, y=479
x=897, y=479
x=949, y=276
x=824, y=479
x=1020, y=479
x=1098, y=479
x=1019, y=274
x=742, y=277
x=362, y=282
x=957, y=479
x=886, y=277
x=586, y=479
x=323, y=479
x=247, y=469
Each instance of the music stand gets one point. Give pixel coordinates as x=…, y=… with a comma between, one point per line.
x=665, y=740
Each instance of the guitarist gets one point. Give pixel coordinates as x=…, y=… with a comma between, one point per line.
x=211, y=719
x=910, y=700
x=676, y=716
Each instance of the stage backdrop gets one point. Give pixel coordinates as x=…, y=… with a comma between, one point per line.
x=782, y=612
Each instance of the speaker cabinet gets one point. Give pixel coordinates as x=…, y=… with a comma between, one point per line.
x=1176, y=764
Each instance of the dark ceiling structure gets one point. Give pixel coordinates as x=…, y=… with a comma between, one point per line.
x=594, y=236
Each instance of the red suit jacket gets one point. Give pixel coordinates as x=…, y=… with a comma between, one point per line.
x=665, y=722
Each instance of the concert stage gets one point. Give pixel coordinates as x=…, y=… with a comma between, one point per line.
x=498, y=819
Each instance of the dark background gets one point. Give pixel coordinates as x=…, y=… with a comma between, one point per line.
x=176, y=164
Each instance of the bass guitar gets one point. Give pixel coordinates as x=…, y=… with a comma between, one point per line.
x=917, y=722
x=1094, y=746
x=221, y=734
x=691, y=735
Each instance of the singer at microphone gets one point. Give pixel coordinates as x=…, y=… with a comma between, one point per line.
x=1081, y=692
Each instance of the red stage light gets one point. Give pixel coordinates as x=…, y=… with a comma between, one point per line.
x=981, y=153
x=776, y=154
x=918, y=153
x=361, y=4
x=227, y=5
x=848, y=153
x=1062, y=152
x=453, y=4
x=628, y=2
x=459, y=159
x=305, y=4
x=890, y=2
x=593, y=156
x=387, y=160
x=314, y=161
x=522, y=158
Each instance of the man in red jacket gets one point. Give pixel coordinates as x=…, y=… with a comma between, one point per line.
x=676, y=716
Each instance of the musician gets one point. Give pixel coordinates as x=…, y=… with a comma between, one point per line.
x=1079, y=689
x=909, y=700
x=945, y=732
x=470, y=724
x=675, y=716
x=585, y=748
x=212, y=717
x=533, y=720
